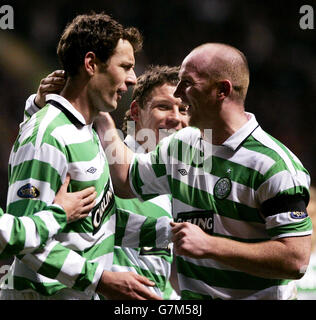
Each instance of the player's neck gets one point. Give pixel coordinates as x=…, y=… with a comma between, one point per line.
x=225, y=124
x=75, y=91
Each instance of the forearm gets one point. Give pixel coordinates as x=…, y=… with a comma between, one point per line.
x=66, y=266
x=135, y=230
x=280, y=259
x=21, y=235
x=119, y=157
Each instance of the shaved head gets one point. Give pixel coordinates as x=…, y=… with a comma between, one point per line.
x=219, y=61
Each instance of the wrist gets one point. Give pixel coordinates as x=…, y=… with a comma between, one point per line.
x=209, y=247
x=59, y=214
x=104, y=280
x=39, y=101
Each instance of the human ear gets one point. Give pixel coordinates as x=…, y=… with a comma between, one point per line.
x=224, y=89
x=134, y=110
x=90, y=63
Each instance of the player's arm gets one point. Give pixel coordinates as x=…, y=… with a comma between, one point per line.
x=76, y=205
x=112, y=143
x=53, y=83
x=20, y=235
x=130, y=171
x=133, y=230
x=82, y=275
x=125, y=286
x=285, y=256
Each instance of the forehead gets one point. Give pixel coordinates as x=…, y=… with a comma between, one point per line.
x=123, y=52
x=195, y=65
x=162, y=93
x=188, y=68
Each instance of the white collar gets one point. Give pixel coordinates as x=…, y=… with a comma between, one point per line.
x=67, y=105
x=235, y=140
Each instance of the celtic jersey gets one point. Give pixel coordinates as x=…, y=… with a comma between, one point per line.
x=21, y=235
x=54, y=141
x=240, y=190
x=153, y=263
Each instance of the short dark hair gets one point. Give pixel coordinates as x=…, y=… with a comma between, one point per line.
x=98, y=33
x=154, y=76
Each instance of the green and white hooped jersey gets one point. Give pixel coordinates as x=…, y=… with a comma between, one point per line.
x=234, y=190
x=21, y=235
x=153, y=263
x=54, y=141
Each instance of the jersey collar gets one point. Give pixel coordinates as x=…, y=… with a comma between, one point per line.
x=237, y=139
x=68, y=106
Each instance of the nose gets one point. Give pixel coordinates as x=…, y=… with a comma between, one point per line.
x=178, y=92
x=131, y=78
x=173, y=120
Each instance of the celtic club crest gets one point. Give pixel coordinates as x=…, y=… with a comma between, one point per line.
x=222, y=188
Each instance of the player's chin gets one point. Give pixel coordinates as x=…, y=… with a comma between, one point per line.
x=109, y=106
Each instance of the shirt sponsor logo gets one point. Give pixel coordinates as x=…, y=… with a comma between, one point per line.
x=203, y=219
x=28, y=192
x=102, y=209
x=222, y=188
x=296, y=215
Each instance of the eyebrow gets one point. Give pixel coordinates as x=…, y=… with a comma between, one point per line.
x=128, y=63
x=159, y=101
x=186, y=76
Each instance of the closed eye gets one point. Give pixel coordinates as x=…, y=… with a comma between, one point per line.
x=127, y=66
x=163, y=107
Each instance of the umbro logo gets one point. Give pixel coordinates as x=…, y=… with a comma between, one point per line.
x=92, y=170
x=183, y=172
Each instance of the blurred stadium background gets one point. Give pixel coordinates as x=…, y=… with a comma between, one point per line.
x=282, y=57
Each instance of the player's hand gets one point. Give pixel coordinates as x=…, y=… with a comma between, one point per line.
x=125, y=286
x=76, y=204
x=190, y=240
x=104, y=125
x=53, y=83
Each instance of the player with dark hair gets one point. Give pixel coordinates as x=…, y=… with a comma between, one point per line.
x=98, y=56
x=154, y=109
